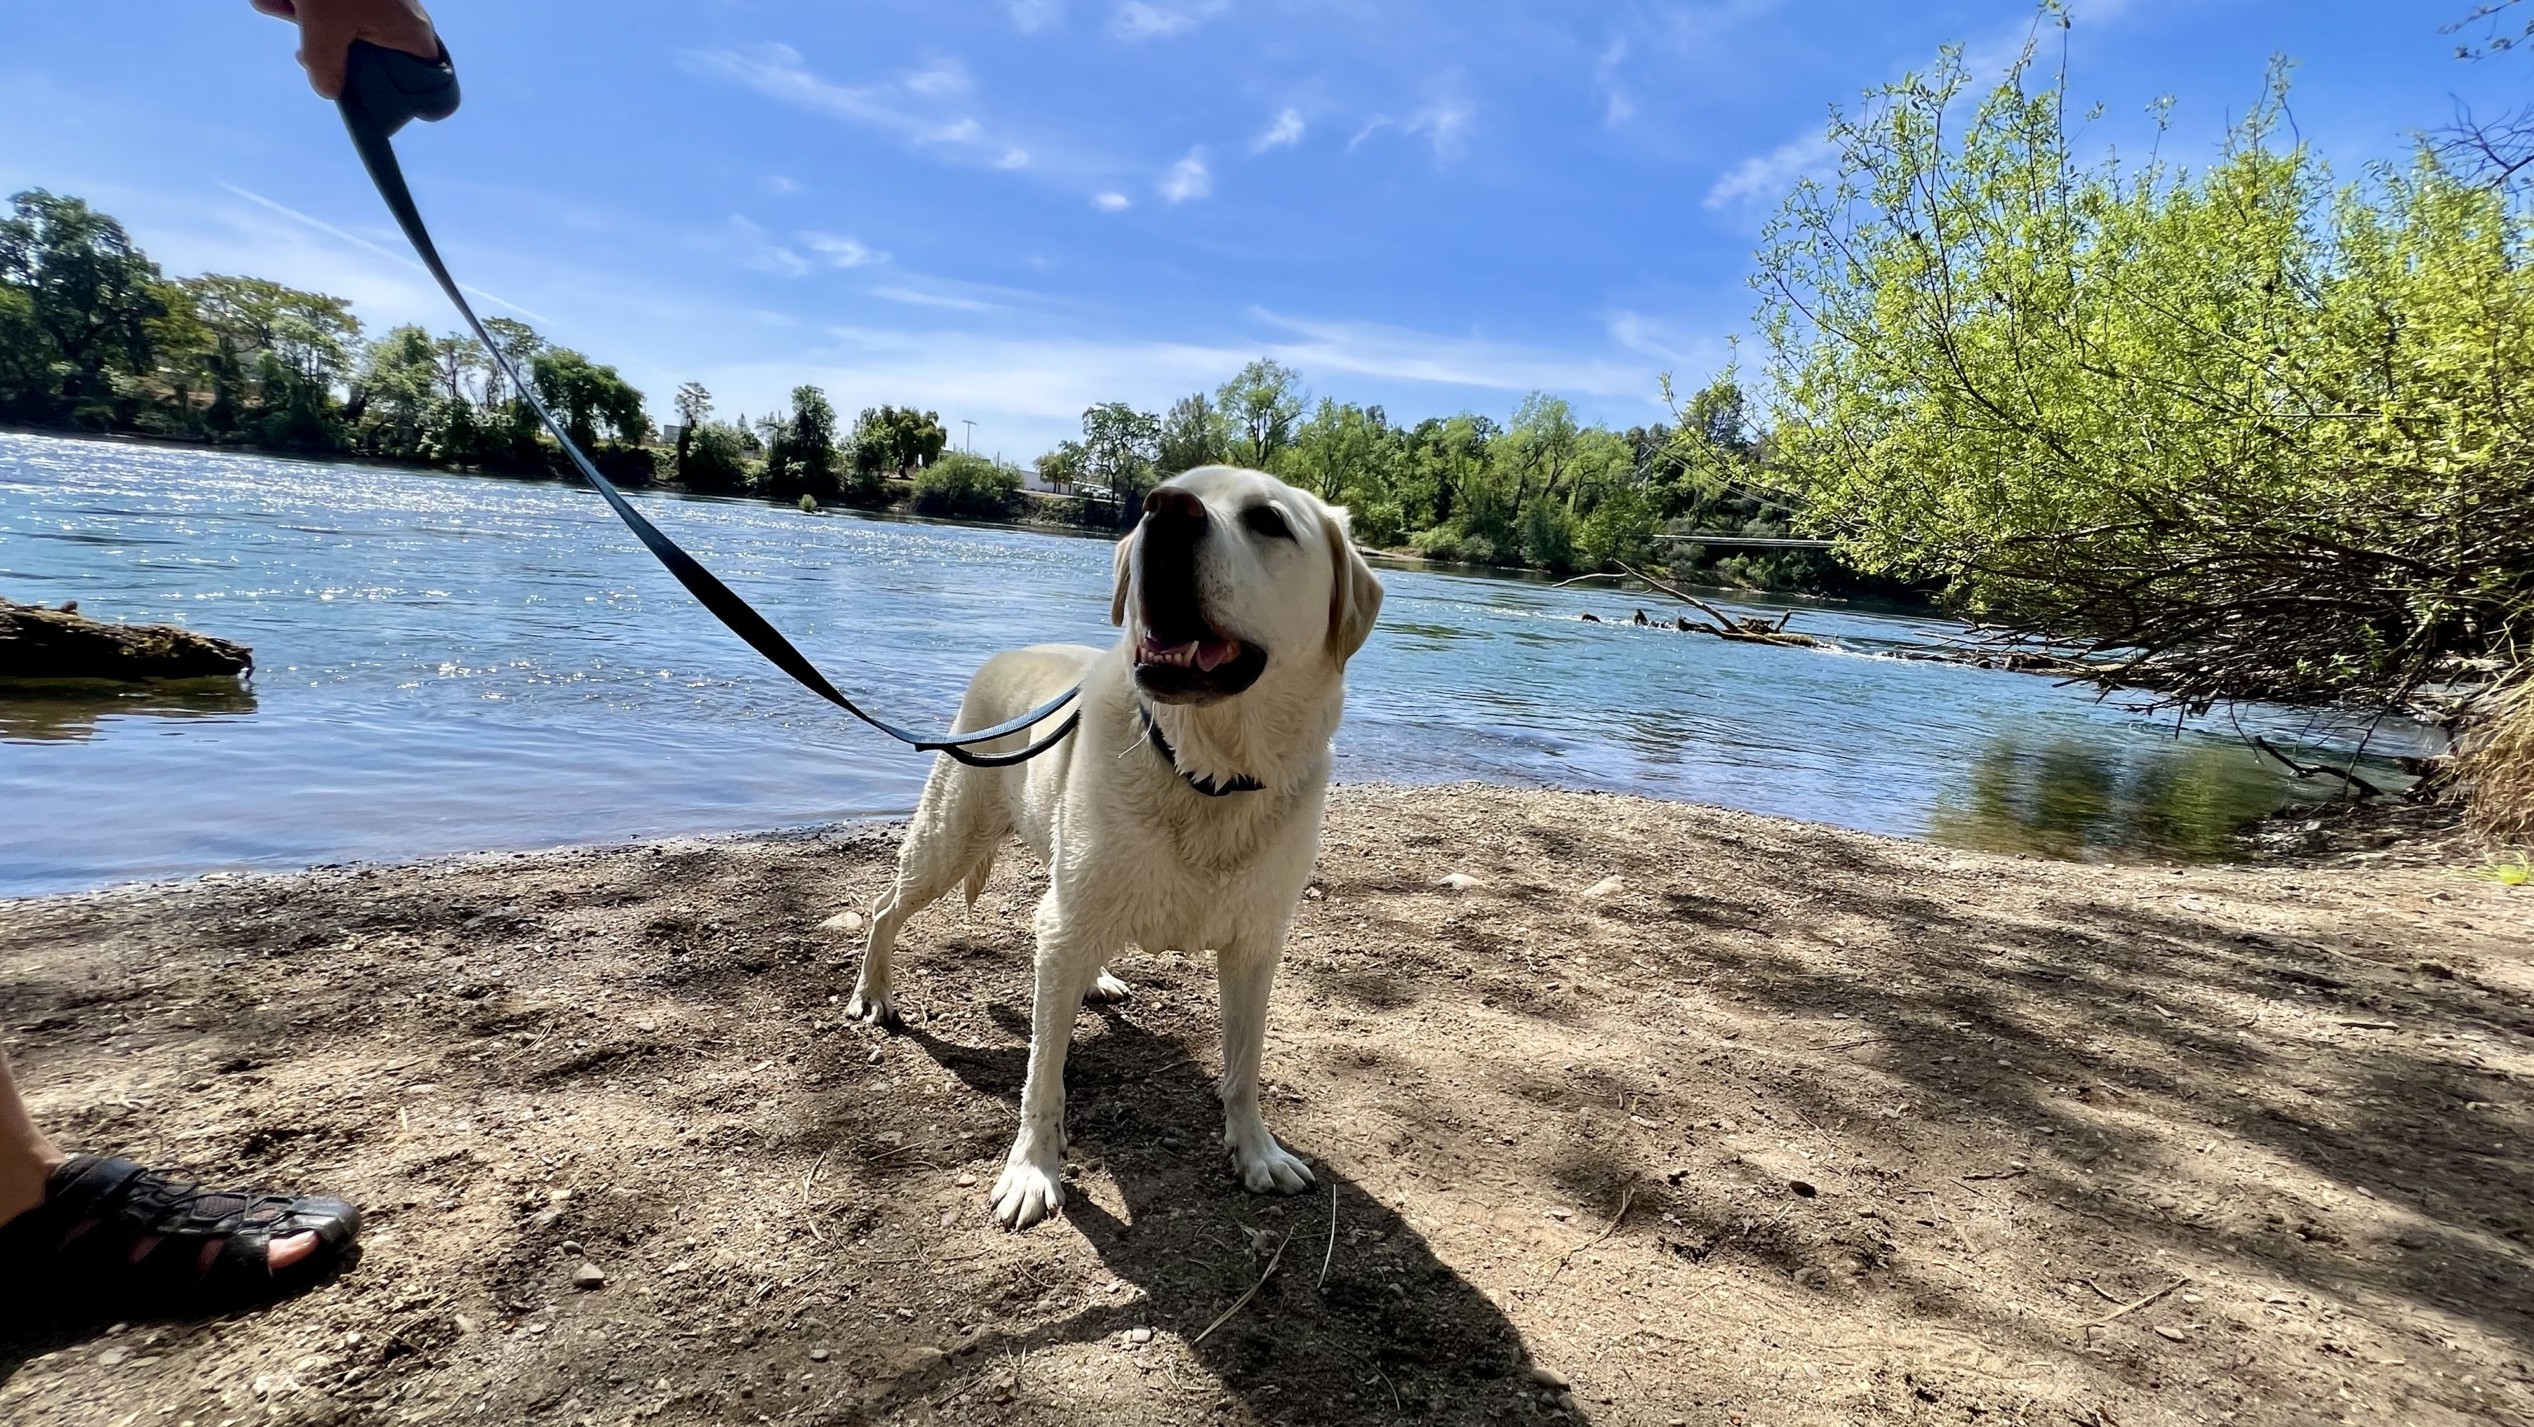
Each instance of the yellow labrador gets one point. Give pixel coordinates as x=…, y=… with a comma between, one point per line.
x=1184, y=812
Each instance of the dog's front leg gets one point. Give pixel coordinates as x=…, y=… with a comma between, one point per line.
x=1245, y=974
x=1032, y=1185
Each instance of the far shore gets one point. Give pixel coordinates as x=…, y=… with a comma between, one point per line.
x=1675, y=1114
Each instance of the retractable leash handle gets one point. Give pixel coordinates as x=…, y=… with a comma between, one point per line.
x=383, y=90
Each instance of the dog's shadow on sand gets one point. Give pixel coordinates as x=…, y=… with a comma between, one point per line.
x=1390, y=1332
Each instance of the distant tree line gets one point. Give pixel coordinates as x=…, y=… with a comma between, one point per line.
x=93, y=336
x=1538, y=490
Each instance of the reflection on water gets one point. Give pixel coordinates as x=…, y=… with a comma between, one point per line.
x=2071, y=800
x=448, y=663
x=66, y=710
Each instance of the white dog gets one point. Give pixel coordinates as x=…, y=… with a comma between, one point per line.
x=1184, y=812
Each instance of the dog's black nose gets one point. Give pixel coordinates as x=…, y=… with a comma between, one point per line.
x=1172, y=505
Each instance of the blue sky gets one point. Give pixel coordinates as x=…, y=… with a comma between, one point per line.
x=1007, y=209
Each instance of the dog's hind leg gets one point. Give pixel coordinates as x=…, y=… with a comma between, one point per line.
x=957, y=826
x=1245, y=974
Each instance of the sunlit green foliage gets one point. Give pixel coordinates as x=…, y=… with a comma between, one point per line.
x=2266, y=433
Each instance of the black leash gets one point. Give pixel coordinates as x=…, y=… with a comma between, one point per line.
x=384, y=88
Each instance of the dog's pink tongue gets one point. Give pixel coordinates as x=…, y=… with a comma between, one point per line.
x=1211, y=653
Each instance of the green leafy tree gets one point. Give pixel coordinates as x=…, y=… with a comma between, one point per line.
x=963, y=483
x=399, y=386
x=1119, y=447
x=800, y=449
x=2260, y=433
x=90, y=297
x=718, y=458
x=1191, y=436
x=1259, y=408
x=585, y=395
x=694, y=406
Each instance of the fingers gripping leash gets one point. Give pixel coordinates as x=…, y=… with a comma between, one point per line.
x=384, y=89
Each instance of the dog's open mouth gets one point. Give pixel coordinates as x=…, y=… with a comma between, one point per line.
x=1195, y=671
x=1180, y=658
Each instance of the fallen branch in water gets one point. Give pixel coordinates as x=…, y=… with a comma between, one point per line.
x=2358, y=785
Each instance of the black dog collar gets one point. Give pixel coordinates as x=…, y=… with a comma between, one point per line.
x=1240, y=783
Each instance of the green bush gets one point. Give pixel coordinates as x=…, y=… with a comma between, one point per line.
x=963, y=484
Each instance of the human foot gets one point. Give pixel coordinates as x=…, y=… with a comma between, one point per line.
x=121, y=1233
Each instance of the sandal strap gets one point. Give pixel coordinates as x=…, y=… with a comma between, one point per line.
x=97, y=1209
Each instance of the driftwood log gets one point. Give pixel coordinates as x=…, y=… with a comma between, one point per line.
x=37, y=642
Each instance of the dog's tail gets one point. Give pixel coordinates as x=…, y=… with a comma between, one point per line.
x=977, y=876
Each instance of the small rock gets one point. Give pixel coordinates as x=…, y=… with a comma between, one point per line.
x=819, y=1355
x=965, y=1180
x=1310, y=894
x=1459, y=881
x=588, y=1276
x=646, y=1025
x=949, y=1216
x=545, y=1219
x=1139, y=1336
x=112, y=1358
x=847, y=922
x=467, y=1325
x=1606, y=887
x=874, y=1056
x=571, y=1250
x=2168, y=1334
x=1549, y=1377
x=1561, y=1214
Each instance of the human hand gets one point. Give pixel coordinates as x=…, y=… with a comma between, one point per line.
x=327, y=29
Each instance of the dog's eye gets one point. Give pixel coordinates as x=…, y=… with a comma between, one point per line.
x=1268, y=521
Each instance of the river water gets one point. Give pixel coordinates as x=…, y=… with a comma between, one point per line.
x=448, y=663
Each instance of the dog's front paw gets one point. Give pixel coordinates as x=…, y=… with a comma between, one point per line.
x=873, y=1009
x=1027, y=1193
x=1266, y=1168
x=1106, y=990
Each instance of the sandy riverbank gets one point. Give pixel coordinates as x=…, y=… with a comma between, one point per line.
x=1888, y=1133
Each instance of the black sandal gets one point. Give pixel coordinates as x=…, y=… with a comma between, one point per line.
x=96, y=1211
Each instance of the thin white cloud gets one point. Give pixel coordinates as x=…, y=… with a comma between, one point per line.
x=1616, y=105
x=1443, y=123
x=1139, y=20
x=917, y=297
x=756, y=250
x=1372, y=126
x=1188, y=179
x=1764, y=178
x=1372, y=349
x=1031, y=16
x=941, y=78
x=1284, y=133
x=841, y=251
x=1013, y=158
x=1112, y=202
x=781, y=185
x=1651, y=337
x=777, y=72
x=391, y=254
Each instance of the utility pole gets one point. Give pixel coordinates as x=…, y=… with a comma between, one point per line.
x=972, y=435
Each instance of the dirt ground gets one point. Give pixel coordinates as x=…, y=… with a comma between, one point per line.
x=1786, y=1125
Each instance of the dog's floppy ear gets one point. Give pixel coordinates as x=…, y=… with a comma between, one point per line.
x=1354, y=592
x=1125, y=576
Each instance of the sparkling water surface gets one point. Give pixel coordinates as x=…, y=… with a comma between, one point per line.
x=448, y=663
